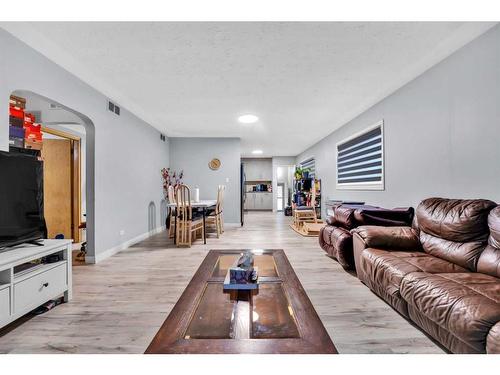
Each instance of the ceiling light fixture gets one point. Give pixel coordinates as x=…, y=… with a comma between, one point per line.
x=257, y=152
x=248, y=119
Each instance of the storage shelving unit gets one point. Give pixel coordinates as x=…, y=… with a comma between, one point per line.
x=302, y=192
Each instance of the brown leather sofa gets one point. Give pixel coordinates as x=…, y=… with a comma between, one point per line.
x=336, y=239
x=443, y=273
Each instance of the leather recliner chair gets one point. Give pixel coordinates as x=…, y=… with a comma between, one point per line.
x=336, y=239
x=443, y=273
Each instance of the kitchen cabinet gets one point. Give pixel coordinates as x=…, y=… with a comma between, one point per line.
x=267, y=201
x=250, y=201
x=259, y=201
x=258, y=169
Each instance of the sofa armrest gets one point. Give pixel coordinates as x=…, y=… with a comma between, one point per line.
x=388, y=238
x=330, y=220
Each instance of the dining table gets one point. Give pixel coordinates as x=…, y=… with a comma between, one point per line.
x=204, y=205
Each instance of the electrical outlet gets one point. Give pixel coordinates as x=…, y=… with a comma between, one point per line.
x=227, y=179
x=122, y=232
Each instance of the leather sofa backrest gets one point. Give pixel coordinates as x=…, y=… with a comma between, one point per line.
x=395, y=217
x=344, y=217
x=489, y=261
x=352, y=216
x=454, y=229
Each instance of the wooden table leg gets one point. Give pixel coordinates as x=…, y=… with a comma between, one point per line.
x=204, y=226
x=174, y=211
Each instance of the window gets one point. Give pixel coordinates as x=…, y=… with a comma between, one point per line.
x=310, y=165
x=360, y=160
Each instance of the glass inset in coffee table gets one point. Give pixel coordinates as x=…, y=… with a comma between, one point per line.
x=276, y=318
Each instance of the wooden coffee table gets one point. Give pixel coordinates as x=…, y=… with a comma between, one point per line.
x=276, y=318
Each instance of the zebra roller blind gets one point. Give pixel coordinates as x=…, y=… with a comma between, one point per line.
x=309, y=164
x=360, y=160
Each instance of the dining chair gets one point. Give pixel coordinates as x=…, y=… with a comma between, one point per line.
x=171, y=199
x=187, y=225
x=215, y=217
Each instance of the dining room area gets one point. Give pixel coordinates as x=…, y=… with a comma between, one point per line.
x=190, y=218
x=201, y=190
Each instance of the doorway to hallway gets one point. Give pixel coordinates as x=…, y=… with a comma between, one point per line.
x=280, y=197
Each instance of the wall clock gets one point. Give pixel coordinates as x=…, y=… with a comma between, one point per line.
x=214, y=164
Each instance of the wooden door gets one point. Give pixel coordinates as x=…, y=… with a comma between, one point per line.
x=57, y=187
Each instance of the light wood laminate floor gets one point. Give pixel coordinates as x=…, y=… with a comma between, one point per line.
x=119, y=304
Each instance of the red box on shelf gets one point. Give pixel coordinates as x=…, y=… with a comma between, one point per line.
x=28, y=117
x=16, y=112
x=33, y=131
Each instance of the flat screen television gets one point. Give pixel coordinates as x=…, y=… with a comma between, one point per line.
x=21, y=199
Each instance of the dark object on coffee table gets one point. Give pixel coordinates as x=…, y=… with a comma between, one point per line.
x=242, y=275
x=243, y=272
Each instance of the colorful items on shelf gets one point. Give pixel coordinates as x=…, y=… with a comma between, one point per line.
x=33, y=136
x=17, y=101
x=16, y=136
x=24, y=132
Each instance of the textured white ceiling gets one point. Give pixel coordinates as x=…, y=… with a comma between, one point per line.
x=303, y=80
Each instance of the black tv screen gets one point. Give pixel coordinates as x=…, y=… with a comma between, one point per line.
x=21, y=199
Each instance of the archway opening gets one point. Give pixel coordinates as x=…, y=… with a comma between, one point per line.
x=66, y=144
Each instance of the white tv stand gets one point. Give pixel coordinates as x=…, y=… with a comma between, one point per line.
x=25, y=290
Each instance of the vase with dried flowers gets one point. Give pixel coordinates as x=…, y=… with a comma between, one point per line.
x=170, y=178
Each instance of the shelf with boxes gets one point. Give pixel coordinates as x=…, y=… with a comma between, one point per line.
x=24, y=132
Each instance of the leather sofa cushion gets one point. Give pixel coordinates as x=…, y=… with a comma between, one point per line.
x=455, y=220
x=388, y=268
x=454, y=229
x=465, y=304
x=465, y=254
x=489, y=261
x=397, y=238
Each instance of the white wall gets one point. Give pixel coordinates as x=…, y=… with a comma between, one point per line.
x=192, y=155
x=442, y=133
x=125, y=153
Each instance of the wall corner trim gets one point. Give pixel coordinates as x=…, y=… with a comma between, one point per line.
x=123, y=246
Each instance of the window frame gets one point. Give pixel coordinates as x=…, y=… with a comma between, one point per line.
x=368, y=185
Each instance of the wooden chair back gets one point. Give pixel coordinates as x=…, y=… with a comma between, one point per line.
x=220, y=198
x=183, y=201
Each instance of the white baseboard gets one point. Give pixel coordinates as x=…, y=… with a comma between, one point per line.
x=125, y=245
